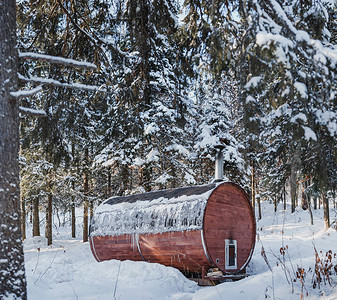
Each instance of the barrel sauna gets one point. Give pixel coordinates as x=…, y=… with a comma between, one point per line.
x=190, y=228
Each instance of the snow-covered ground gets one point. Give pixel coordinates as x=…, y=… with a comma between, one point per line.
x=285, y=241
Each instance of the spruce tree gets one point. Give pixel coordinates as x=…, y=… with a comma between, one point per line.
x=148, y=92
x=290, y=68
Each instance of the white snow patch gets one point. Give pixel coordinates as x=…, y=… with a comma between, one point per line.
x=300, y=116
x=253, y=82
x=153, y=156
x=68, y=270
x=151, y=129
x=309, y=134
x=207, y=139
x=180, y=149
x=250, y=99
x=328, y=119
x=302, y=89
x=163, y=179
x=109, y=162
x=138, y=162
x=189, y=179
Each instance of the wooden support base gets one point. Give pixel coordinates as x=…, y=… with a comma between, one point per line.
x=204, y=281
x=214, y=280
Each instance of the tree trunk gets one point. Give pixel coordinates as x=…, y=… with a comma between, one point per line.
x=23, y=218
x=315, y=202
x=85, y=215
x=293, y=177
x=91, y=209
x=325, y=201
x=73, y=216
x=85, y=204
x=12, y=267
x=49, y=214
x=109, y=185
x=293, y=190
x=36, y=217
x=73, y=220
x=275, y=203
x=310, y=212
x=173, y=183
x=259, y=207
x=258, y=198
x=31, y=212
x=124, y=179
x=146, y=178
x=144, y=49
x=307, y=200
x=253, y=188
x=284, y=198
x=304, y=200
x=58, y=216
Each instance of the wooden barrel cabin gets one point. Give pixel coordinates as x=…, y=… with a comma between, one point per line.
x=190, y=228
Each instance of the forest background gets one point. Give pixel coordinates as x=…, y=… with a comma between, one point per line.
x=180, y=79
x=174, y=80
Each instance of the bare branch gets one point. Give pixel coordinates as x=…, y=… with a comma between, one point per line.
x=26, y=93
x=96, y=40
x=48, y=81
x=32, y=112
x=58, y=60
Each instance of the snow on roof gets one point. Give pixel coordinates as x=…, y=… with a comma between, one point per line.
x=154, y=212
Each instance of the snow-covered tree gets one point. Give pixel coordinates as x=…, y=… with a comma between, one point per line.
x=215, y=127
x=67, y=131
x=290, y=66
x=12, y=269
x=146, y=113
x=209, y=32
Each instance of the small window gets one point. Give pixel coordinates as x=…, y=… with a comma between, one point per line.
x=230, y=254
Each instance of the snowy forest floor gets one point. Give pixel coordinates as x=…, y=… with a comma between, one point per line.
x=286, y=242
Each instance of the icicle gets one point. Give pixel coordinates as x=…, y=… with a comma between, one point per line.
x=156, y=216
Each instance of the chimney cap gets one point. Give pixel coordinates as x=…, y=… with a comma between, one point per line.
x=219, y=147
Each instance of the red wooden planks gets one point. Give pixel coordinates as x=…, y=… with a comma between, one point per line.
x=228, y=215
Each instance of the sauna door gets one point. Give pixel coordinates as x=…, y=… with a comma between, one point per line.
x=230, y=254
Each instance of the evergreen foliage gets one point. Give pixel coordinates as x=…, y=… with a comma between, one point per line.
x=290, y=87
x=256, y=77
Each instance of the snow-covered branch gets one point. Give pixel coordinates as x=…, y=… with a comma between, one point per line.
x=26, y=93
x=58, y=60
x=32, y=112
x=48, y=81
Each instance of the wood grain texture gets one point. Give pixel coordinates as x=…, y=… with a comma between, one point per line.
x=228, y=215
x=121, y=247
x=182, y=250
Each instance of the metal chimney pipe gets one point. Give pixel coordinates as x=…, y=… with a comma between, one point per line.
x=218, y=176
